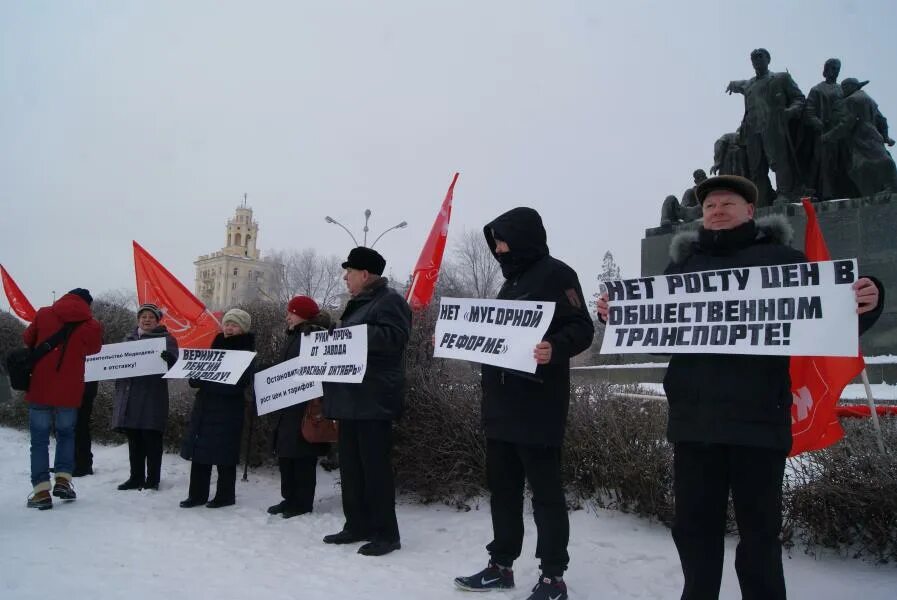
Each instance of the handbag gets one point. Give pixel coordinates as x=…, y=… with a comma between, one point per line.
x=316, y=429
x=20, y=362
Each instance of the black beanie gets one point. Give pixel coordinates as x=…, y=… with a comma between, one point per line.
x=83, y=294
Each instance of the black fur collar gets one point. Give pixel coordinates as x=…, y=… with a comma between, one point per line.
x=243, y=341
x=770, y=229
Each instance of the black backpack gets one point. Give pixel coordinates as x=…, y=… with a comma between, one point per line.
x=20, y=363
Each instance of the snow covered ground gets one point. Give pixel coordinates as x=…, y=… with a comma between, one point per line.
x=141, y=546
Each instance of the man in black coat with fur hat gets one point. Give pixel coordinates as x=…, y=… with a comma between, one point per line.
x=730, y=415
x=366, y=410
x=525, y=415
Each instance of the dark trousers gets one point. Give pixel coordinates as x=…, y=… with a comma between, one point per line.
x=366, y=477
x=758, y=170
x=83, y=454
x=201, y=476
x=508, y=466
x=297, y=481
x=145, y=454
x=703, y=474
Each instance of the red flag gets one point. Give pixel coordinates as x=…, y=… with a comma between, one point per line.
x=184, y=315
x=817, y=381
x=17, y=300
x=426, y=272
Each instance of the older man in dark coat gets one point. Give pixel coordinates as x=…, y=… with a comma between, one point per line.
x=366, y=410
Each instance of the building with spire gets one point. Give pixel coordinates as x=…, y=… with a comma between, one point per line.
x=235, y=274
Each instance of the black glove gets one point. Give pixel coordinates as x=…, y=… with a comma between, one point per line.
x=194, y=383
x=169, y=358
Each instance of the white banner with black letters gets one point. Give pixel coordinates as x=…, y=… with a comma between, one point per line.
x=502, y=333
x=279, y=387
x=126, y=359
x=339, y=356
x=804, y=309
x=221, y=366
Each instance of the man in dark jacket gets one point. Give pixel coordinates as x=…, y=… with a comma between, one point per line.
x=56, y=390
x=730, y=415
x=366, y=410
x=525, y=415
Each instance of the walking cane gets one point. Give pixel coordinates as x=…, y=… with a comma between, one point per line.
x=249, y=437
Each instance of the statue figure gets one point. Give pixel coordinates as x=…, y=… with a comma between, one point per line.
x=771, y=102
x=828, y=168
x=865, y=131
x=690, y=208
x=670, y=212
x=729, y=156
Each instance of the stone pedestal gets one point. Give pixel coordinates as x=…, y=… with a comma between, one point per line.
x=861, y=228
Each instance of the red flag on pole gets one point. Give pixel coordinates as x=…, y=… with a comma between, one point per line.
x=17, y=300
x=426, y=272
x=817, y=381
x=185, y=315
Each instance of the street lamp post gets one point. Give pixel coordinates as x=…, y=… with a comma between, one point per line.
x=366, y=229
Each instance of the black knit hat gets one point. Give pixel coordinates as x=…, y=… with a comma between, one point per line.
x=83, y=294
x=365, y=259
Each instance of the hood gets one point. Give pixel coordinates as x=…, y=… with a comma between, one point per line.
x=770, y=229
x=522, y=229
x=72, y=309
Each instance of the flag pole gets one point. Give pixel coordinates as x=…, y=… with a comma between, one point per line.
x=873, y=414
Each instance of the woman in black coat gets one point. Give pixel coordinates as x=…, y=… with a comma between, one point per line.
x=140, y=405
x=216, y=424
x=296, y=457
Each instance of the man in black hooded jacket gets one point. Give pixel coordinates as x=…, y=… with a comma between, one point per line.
x=730, y=415
x=525, y=415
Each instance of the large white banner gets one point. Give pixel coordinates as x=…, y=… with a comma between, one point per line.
x=279, y=387
x=341, y=355
x=804, y=309
x=127, y=359
x=221, y=366
x=503, y=333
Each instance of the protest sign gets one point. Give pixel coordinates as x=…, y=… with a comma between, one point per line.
x=503, y=333
x=340, y=355
x=220, y=366
x=806, y=309
x=127, y=359
x=278, y=387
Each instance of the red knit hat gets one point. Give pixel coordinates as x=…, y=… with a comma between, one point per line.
x=304, y=307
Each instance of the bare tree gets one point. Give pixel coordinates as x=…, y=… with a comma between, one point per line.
x=305, y=272
x=475, y=268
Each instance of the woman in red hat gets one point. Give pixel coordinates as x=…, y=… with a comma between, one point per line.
x=296, y=456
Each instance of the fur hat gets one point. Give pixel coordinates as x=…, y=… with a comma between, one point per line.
x=733, y=183
x=365, y=259
x=238, y=316
x=152, y=308
x=304, y=307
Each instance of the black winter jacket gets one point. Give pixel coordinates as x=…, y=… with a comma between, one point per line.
x=288, y=440
x=216, y=423
x=526, y=408
x=725, y=398
x=380, y=395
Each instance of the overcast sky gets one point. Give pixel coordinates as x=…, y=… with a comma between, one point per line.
x=149, y=120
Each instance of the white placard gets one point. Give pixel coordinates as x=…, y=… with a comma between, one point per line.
x=221, y=366
x=126, y=359
x=340, y=356
x=806, y=309
x=278, y=387
x=503, y=333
